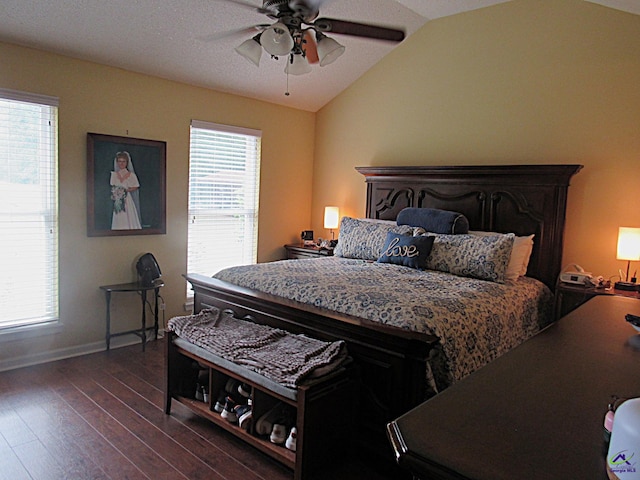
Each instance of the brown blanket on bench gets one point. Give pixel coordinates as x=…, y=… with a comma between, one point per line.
x=279, y=355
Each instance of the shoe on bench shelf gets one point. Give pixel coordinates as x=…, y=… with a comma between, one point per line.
x=291, y=439
x=228, y=413
x=244, y=389
x=219, y=405
x=278, y=434
x=231, y=387
x=280, y=413
x=245, y=416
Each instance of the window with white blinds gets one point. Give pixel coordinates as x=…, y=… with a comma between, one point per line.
x=224, y=179
x=28, y=209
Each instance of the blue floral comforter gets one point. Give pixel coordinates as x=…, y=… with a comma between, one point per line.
x=475, y=320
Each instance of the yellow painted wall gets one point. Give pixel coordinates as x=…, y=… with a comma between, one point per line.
x=527, y=81
x=101, y=99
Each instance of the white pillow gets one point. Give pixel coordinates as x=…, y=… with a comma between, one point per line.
x=522, y=248
x=520, y=254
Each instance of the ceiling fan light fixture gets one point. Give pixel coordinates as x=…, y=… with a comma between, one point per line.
x=251, y=50
x=297, y=65
x=328, y=49
x=277, y=40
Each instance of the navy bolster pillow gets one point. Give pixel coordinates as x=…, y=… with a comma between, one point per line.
x=434, y=220
x=406, y=250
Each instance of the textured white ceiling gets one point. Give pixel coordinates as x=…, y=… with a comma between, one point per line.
x=631, y=6
x=168, y=39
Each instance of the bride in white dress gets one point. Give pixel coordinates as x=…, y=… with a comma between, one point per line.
x=124, y=189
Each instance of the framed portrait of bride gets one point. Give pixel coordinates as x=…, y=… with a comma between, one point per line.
x=126, y=186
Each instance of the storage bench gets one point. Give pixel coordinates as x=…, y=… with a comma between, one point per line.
x=323, y=406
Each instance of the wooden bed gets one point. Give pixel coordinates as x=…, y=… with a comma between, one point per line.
x=523, y=199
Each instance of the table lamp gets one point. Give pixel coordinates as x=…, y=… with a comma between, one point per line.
x=331, y=218
x=629, y=250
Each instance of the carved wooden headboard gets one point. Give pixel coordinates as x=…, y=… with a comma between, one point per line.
x=522, y=199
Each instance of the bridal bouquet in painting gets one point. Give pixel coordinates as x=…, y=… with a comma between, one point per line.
x=118, y=195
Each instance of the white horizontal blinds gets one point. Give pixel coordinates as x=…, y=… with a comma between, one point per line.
x=28, y=209
x=224, y=178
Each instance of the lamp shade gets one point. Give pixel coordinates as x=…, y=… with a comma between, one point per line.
x=331, y=217
x=251, y=50
x=276, y=39
x=297, y=65
x=328, y=49
x=628, y=244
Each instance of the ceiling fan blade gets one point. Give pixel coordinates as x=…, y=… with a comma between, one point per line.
x=251, y=6
x=344, y=27
x=314, y=3
x=311, y=49
x=252, y=30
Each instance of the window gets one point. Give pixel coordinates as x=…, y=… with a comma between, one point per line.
x=224, y=178
x=28, y=210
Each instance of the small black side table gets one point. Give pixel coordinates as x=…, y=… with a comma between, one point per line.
x=570, y=296
x=142, y=290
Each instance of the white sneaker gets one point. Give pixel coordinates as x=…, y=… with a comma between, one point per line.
x=291, y=439
x=264, y=424
x=278, y=434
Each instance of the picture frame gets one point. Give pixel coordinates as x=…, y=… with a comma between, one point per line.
x=115, y=205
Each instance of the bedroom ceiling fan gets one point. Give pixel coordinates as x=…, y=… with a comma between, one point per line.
x=297, y=34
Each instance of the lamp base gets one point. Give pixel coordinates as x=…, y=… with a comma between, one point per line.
x=628, y=286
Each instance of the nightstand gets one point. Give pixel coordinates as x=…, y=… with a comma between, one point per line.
x=570, y=296
x=301, y=251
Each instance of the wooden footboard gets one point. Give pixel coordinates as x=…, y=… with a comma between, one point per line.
x=392, y=363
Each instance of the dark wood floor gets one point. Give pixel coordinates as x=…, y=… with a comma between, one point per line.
x=101, y=416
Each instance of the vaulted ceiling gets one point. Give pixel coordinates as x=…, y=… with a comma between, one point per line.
x=192, y=41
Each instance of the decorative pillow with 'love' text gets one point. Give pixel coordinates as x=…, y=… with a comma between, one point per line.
x=405, y=250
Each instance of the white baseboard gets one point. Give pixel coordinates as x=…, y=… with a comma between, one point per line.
x=76, y=351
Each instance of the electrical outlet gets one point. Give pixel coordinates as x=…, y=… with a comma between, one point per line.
x=161, y=305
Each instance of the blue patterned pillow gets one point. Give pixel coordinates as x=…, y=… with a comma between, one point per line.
x=405, y=250
x=364, y=238
x=483, y=257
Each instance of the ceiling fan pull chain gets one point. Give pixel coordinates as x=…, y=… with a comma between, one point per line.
x=286, y=94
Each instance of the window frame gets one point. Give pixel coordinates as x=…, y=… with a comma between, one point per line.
x=49, y=321
x=250, y=192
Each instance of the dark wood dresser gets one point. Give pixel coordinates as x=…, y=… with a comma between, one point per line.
x=536, y=412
